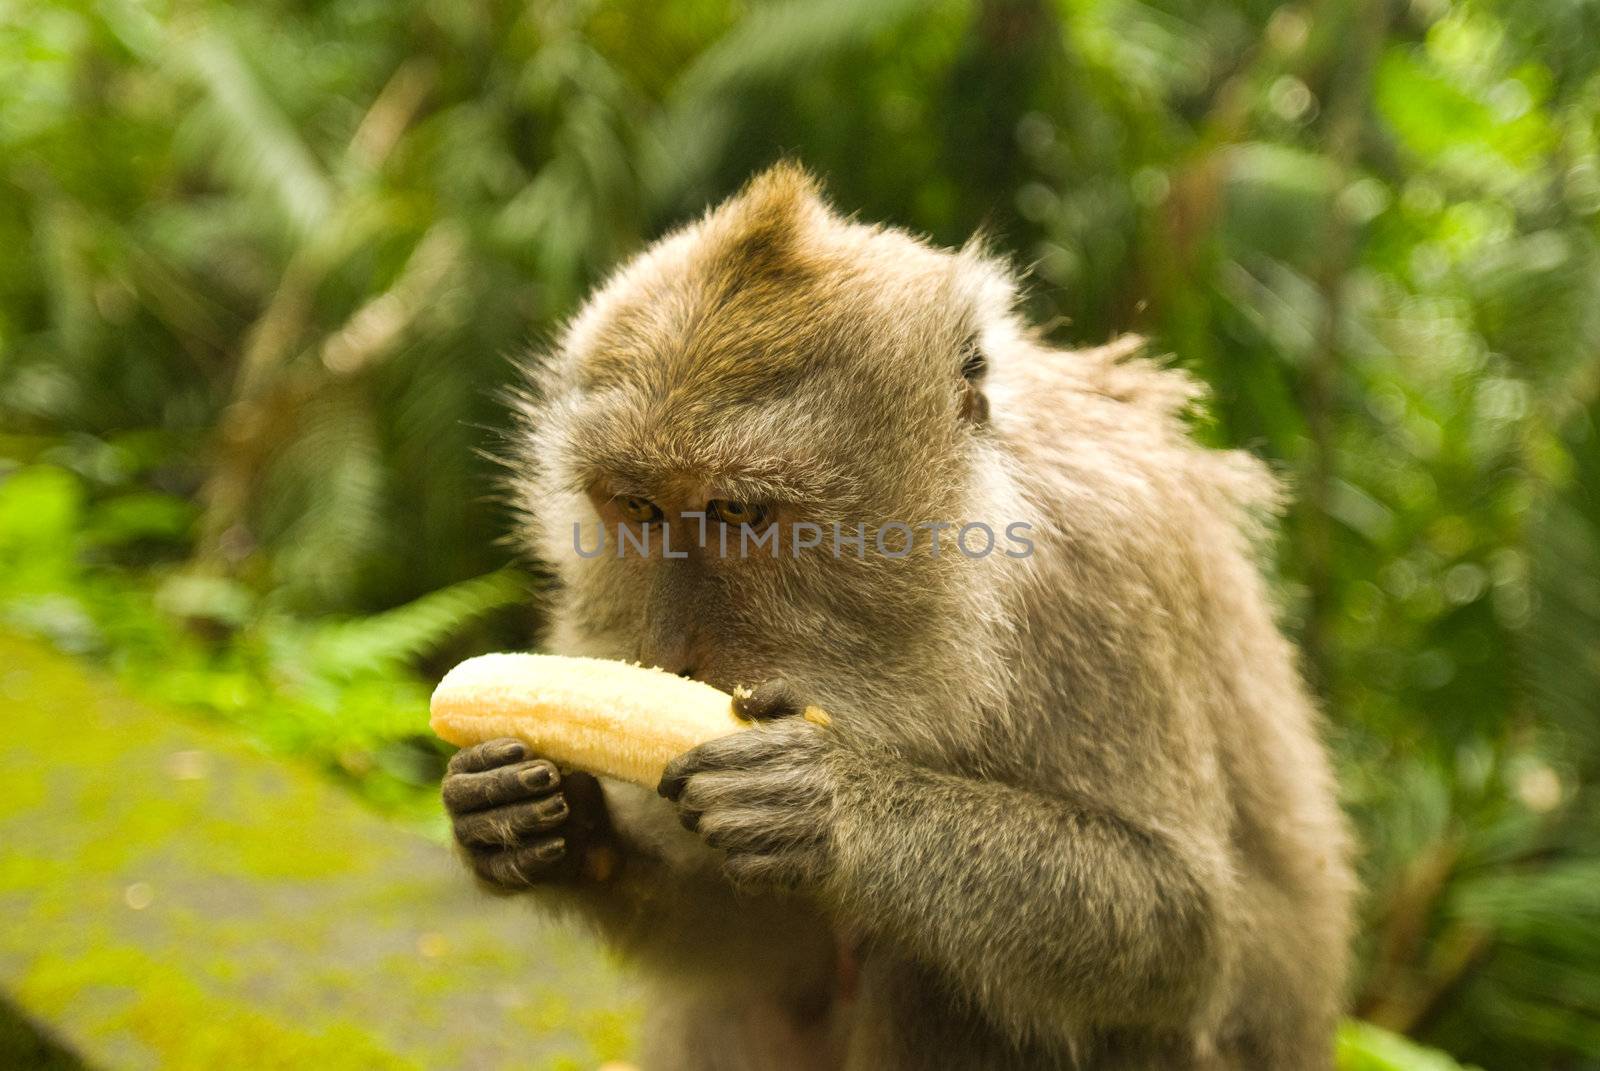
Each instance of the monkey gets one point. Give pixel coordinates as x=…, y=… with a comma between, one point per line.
x=1071, y=808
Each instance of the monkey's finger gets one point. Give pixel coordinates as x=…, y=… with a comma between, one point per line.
x=689, y=818
x=768, y=701
x=734, y=831
x=676, y=776
x=736, y=751
x=778, y=870
x=756, y=830
x=781, y=789
x=521, y=866
x=504, y=784
x=505, y=827
x=487, y=755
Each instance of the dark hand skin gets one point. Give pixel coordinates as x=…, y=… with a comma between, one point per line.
x=764, y=797
x=520, y=822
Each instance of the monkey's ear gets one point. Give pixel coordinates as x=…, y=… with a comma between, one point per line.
x=974, y=406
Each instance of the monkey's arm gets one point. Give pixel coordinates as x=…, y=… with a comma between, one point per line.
x=1053, y=913
x=1041, y=905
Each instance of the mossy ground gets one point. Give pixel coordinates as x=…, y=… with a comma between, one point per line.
x=172, y=898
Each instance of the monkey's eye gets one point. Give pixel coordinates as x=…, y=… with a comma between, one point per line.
x=727, y=511
x=641, y=510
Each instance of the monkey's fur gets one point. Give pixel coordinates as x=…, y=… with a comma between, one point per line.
x=1072, y=810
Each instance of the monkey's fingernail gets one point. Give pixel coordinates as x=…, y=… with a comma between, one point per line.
x=537, y=777
x=551, y=849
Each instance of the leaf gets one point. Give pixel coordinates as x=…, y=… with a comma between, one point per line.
x=252, y=142
x=1365, y=1047
x=377, y=643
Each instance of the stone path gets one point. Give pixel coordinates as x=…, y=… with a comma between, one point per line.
x=172, y=898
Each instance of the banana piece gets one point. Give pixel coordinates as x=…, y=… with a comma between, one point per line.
x=593, y=714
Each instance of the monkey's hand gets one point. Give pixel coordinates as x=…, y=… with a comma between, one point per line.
x=520, y=822
x=765, y=796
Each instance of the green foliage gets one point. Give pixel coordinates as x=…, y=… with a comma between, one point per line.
x=271, y=259
x=342, y=692
x=1364, y=1047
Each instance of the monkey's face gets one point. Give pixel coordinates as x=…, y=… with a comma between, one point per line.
x=744, y=450
x=747, y=543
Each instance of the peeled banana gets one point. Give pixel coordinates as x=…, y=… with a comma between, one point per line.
x=593, y=714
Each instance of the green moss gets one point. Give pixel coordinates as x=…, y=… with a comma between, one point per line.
x=609, y=1032
x=22, y=789
x=21, y=872
x=550, y=1012
x=184, y=1026
x=564, y=1063
x=167, y=888
x=101, y=752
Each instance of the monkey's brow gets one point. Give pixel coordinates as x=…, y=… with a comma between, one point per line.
x=768, y=483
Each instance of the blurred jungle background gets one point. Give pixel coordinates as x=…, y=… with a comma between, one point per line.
x=263, y=266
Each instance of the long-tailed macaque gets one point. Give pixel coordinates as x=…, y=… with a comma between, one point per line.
x=1071, y=810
